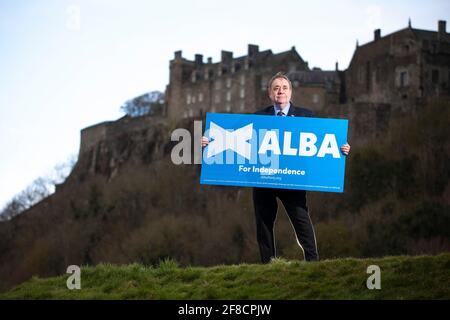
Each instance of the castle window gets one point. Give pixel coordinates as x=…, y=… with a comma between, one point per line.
x=404, y=79
x=368, y=73
x=217, y=98
x=188, y=98
x=360, y=74
x=315, y=98
x=200, y=97
x=193, y=77
x=206, y=74
x=264, y=82
x=435, y=76
x=228, y=96
x=242, y=106
x=246, y=64
x=218, y=85
x=228, y=107
x=242, y=80
x=193, y=99
x=434, y=48
x=191, y=113
x=228, y=82
x=242, y=93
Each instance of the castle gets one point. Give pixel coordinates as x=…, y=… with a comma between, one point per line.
x=406, y=67
x=239, y=84
x=387, y=78
x=403, y=68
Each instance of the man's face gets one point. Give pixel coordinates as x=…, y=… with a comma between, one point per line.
x=280, y=92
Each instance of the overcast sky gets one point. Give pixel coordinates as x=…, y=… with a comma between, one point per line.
x=66, y=65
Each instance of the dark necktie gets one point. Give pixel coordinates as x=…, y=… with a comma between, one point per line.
x=280, y=113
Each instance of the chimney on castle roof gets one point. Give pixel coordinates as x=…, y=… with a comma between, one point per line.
x=337, y=66
x=198, y=59
x=442, y=26
x=377, y=34
x=252, y=50
x=209, y=60
x=178, y=55
x=227, y=56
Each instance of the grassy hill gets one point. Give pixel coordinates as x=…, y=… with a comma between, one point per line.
x=402, y=277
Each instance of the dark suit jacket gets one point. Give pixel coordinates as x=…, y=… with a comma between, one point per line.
x=293, y=111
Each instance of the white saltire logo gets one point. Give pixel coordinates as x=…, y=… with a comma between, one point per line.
x=236, y=140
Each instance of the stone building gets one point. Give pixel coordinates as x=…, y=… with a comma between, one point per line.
x=403, y=68
x=239, y=85
x=317, y=89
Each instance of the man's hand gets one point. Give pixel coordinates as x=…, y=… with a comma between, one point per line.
x=345, y=149
x=205, y=141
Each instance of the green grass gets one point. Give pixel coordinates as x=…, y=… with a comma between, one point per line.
x=402, y=277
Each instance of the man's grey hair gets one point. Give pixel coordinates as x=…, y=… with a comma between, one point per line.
x=279, y=75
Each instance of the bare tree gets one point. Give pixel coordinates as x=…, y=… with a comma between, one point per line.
x=38, y=190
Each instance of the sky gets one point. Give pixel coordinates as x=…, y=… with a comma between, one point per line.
x=66, y=65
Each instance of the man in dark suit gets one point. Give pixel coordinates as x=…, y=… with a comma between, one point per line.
x=294, y=201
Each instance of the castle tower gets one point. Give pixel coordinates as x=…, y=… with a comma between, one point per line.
x=174, y=98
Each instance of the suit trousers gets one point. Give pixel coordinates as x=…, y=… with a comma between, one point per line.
x=266, y=207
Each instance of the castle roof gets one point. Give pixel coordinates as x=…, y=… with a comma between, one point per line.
x=314, y=76
x=440, y=35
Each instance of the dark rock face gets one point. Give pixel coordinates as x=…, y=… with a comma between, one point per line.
x=107, y=147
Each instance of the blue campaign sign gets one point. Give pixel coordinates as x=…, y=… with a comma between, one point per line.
x=274, y=152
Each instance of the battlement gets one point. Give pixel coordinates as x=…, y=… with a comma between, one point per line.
x=199, y=69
